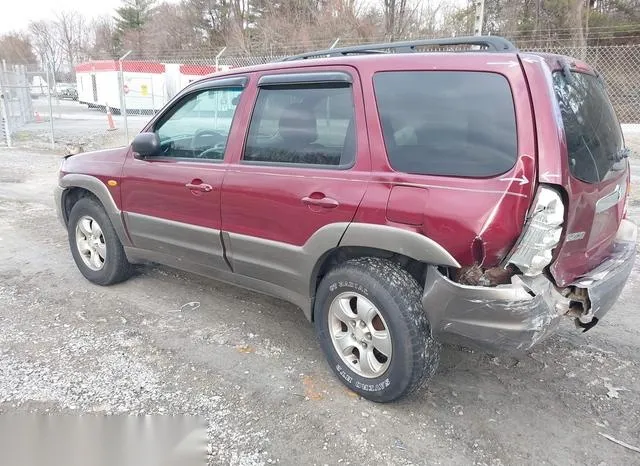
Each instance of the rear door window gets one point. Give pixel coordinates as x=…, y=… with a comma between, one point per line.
x=594, y=137
x=303, y=125
x=455, y=123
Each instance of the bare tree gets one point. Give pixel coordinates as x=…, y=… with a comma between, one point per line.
x=160, y=27
x=44, y=39
x=16, y=48
x=103, y=42
x=207, y=18
x=429, y=17
x=395, y=17
x=577, y=13
x=73, y=36
x=172, y=30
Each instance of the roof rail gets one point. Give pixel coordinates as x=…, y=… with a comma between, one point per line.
x=490, y=43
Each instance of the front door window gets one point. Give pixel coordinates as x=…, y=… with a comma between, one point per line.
x=199, y=126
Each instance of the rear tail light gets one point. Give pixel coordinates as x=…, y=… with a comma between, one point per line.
x=534, y=250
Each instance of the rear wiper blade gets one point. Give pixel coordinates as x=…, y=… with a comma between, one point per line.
x=566, y=71
x=621, y=154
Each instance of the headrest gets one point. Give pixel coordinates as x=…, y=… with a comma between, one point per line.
x=298, y=125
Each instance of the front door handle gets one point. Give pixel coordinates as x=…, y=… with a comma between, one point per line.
x=324, y=202
x=203, y=187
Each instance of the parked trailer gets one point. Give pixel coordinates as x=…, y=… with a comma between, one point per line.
x=190, y=73
x=177, y=76
x=144, y=88
x=147, y=85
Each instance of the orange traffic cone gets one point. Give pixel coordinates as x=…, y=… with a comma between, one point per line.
x=38, y=118
x=110, y=125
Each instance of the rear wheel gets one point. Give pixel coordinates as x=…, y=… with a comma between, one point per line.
x=373, y=330
x=94, y=244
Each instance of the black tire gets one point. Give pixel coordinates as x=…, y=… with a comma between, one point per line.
x=397, y=296
x=116, y=267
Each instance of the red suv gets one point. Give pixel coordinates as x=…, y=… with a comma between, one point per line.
x=400, y=197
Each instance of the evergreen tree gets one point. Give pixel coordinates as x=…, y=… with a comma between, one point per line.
x=131, y=19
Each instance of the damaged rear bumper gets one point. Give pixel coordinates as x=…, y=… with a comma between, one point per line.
x=517, y=316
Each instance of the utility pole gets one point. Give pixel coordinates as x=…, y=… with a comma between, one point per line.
x=479, y=19
x=50, y=90
x=123, y=98
x=217, y=59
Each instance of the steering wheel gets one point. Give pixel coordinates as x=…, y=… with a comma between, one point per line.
x=211, y=138
x=166, y=147
x=218, y=150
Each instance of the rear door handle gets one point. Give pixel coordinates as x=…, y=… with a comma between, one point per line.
x=205, y=188
x=325, y=202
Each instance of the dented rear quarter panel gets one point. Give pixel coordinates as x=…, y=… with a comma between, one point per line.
x=454, y=211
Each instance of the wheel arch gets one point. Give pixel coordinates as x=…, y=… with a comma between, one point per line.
x=410, y=249
x=78, y=186
x=69, y=198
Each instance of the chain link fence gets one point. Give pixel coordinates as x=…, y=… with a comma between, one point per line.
x=620, y=67
x=111, y=100
x=15, y=101
x=618, y=64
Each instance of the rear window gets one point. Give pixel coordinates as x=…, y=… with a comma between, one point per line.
x=594, y=137
x=455, y=123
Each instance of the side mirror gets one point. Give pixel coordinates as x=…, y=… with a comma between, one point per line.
x=146, y=144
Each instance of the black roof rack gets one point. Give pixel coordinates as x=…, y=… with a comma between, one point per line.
x=490, y=43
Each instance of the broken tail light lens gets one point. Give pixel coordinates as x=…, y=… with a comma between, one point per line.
x=534, y=250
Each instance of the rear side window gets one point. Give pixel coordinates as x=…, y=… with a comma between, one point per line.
x=311, y=125
x=594, y=137
x=455, y=123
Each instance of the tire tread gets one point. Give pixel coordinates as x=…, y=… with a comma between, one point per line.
x=406, y=292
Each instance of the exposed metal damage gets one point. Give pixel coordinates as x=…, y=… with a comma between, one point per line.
x=498, y=309
x=476, y=275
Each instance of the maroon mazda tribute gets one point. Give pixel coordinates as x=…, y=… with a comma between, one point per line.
x=401, y=194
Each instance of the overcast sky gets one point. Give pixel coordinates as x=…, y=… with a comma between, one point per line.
x=16, y=16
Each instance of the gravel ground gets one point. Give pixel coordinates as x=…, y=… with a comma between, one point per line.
x=167, y=342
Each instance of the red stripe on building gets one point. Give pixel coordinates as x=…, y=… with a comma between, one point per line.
x=128, y=66
x=199, y=70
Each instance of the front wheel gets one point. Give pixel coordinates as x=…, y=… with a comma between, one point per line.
x=372, y=328
x=95, y=245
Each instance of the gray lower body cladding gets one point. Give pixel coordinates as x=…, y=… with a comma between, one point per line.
x=517, y=316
